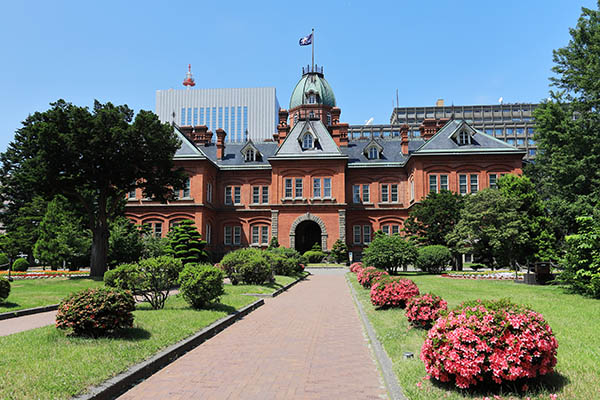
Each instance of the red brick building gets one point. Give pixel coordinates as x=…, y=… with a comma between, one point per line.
x=311, y=184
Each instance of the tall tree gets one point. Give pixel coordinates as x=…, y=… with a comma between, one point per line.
x=566, y=170
x=434, y=217
x=93, y=158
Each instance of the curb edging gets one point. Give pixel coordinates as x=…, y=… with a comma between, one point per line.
x=384, y=361
x=28, y=311
x=119, y=384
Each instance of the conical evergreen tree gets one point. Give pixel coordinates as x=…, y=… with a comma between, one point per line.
x=186, y=243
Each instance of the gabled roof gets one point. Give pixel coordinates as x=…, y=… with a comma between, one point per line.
x=250, y=145
x=373, y=143
x=443, y=142
x=292, y=145
x=187, y=150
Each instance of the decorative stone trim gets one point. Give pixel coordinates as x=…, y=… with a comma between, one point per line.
x=274, y=223
x=308, y=217
x=342, y=223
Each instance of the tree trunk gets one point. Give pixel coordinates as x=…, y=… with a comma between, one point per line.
x=99, y=249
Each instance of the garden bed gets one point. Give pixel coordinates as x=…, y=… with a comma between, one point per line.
x=44, y=274
x=47, y=363
x=572, y=318
x=497, y=275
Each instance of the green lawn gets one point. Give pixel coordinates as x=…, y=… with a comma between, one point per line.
x=46, y=363
x=28, y=293
x=575, y=321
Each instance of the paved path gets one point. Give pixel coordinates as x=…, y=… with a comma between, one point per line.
x=307, y=343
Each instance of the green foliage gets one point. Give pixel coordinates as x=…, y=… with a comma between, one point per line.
x=250, y=266
x=434, y=259
x=390, y=253
x=434, y=217
x=20, y=264
x=23, y=229
x=125, y=244
x=568, y=129
x=476, y=266
x=4, y=261
x=96, y=312
x=316, y=247
x=186, y=243
x=339, y=251
x=154, y=246
x=273, y=243
x=62, y=240
x=4, y=289
x=491, y=228
x=157, y=276
x=93, y=157
x=284, y=261
x=201, y=284
x=314, y=256
x=582, y=259
x=125, y=277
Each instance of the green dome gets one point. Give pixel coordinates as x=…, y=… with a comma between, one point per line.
x=312, y=82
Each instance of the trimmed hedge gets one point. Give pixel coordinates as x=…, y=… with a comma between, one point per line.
x=392, y=292
x=20, y=265
x=201, y=284
x=367, y=276
x=4, y=289
x=433, y=259
x=314, y=256
x=96, y=312
x=250, y=266
x=422, y=311
x=284, y=261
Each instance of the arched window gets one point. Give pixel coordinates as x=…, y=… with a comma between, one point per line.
x=312, y=98
x=250, y=155
x=307, y=141
x=373, y=153
x=463, y=138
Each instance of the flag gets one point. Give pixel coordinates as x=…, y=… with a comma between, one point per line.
x=306, y=40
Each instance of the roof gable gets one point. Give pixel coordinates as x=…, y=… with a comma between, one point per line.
x=187, y=150
x=323, y=144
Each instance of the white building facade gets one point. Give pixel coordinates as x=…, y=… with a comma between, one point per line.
x=243, y=113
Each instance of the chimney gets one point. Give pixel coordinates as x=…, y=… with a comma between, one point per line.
x=404, y=139
x=339, y=131
x=282, y=127
x=439, y=103
x=428, y=128
x=220, y=143
x=335, y=115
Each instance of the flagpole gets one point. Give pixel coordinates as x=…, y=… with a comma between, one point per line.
x=313, y=49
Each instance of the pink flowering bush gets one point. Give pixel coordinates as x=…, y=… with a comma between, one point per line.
x=393, y=292
x=489, y=341
x=355, y=267
x=422, y=311
x=367, y=276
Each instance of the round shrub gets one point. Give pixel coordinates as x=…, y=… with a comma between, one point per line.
x=250, y=266
x=125, y=277
x=475, y=267
x=393, y=292
x=367, y=276
x=433, y=259
x=20, y=265
x=201, y=284
x=284, y=261
x=314, y=256
x=355, y=267
x=96, y=312
x=4, y=261
x=422, y=311
x=485, y=342
x=4, y=289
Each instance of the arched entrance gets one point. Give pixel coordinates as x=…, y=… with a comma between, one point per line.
x=308, y=233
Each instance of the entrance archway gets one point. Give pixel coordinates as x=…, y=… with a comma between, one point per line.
x=308, y=233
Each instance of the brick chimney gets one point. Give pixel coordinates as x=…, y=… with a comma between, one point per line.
x=428, y=128
x=339, y=131
x=404, y=139
x=220, y=143
x=282, y=127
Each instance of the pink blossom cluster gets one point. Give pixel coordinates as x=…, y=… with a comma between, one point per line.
x=355, y=267
x=422, y=311
x=489, y=341
x=393, y=292
x=367, y=276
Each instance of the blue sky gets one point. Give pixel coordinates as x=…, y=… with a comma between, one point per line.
x=466, y=52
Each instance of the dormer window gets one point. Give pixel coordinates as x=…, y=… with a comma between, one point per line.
x=250, y=155
x=312, y=98
x=250, y=152
x=373, y=153
x=307, y=141
x=464, y=138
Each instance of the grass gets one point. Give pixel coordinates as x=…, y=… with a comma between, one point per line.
x=46, y=363
x=28, y=293
x=574, y=320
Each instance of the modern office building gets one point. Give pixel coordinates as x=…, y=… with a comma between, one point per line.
x=312, y=183
x=244, y=113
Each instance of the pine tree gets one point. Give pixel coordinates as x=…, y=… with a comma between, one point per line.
x=186, y=243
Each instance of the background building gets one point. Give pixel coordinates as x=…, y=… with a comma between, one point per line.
x=244, y=113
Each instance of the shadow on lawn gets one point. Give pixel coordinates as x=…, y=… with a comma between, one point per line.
x=8, y=305
x=551, y=383
x=222, y=307
x=133, y=334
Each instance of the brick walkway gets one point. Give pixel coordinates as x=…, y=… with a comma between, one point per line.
x=307, y=343
x=27, y=322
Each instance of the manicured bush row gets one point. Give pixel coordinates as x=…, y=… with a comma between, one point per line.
x=392, y=292
x=201, y=284
x=250, y=266
x=96, y=312
x=485, y=342
x=422, y=311
x=367, y=276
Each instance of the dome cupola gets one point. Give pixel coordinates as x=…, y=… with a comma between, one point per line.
x=312, y=89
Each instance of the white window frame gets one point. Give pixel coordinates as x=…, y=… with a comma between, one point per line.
x=493, y=180
x=228, y=235
x=208, y=229
x=443, y=182
x=395, y=229
x=228, y=195
x=366, y=196
x=327, y=188
x=237, y=235
x=250, y=155
x=367, y=234
x=412, y=190
x=185, y=192
x=357, y=234
x=255, y=194
x=289, y=188
x=298, y=188
x=308, y=141
x=433, y=183
x=356, y=194
x=255, y=234
x=385, y=229
x=317, y=188
x=463, y=185
x=209, y=192
x=385, y=193
x=394, y=193
x=237, y=195
x=264, y=234
x=265, y=195
x=474, y=183
x=373, y=153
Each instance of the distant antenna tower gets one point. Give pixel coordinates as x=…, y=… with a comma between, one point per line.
x=189, y=79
